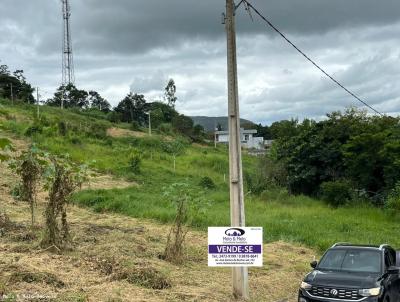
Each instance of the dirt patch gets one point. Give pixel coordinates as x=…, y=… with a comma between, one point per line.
x=119, y=132
x=106, y=182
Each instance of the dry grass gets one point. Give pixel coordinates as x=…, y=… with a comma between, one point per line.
x=116, y=258
x=119, y=132
x=104, y=182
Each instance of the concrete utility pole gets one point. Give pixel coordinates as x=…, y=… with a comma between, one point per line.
x=148, y=113
x=215, y=134
x=12, y=94
x=239, y=274
x=149, y=123
x=37, y=101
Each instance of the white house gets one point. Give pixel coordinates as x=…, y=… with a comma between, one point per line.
x=248, y=138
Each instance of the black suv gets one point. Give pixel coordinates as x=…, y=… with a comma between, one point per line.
x=351, y=273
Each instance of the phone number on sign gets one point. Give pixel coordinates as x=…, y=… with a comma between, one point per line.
x=235, y=256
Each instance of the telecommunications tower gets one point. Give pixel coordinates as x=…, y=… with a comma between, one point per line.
x=67, y=57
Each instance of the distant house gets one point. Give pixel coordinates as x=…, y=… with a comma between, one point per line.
x=248, y=138
x=268, y=143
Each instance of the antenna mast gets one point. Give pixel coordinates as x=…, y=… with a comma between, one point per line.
x=67, y=57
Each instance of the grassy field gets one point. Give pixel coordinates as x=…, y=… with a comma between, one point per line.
x=289, y=218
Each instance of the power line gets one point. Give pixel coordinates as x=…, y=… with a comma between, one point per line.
x=309, y=59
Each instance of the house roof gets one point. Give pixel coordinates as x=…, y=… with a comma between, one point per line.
x=251, y=131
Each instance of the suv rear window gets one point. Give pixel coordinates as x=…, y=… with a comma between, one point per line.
x=351, y=260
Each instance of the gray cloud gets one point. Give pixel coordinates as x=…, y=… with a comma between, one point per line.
x=137, y=45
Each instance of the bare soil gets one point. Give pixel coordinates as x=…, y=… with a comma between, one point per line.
x=119, y=132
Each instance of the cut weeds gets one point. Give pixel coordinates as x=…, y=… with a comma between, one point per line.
x=123, y=264
x=35, y=277
x=143, y=275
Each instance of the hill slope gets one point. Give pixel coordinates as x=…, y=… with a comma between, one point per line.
x=165, y=161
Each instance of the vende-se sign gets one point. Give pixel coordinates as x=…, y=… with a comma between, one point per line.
x=231, y=246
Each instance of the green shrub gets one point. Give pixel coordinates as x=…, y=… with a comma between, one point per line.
x=75, y=140
x=336, y=193
x=113, y=117
x=108, y=141
x=275, y=193
x=34, y=129
x=166, y=128
x=62, y=128
x=207, y=183
x=149, y=142
x=393, y=200
x=50, y=131
x=43, y=120
x=135, y=161
x=135, y=126
x=17, y=191
x=4, y=113
x=98, y=130
x=255, y=184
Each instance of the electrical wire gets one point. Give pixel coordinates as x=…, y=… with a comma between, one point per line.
x=309, y=59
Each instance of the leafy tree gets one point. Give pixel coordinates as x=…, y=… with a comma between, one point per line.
x=73, y=97
x=284, y=129
x=198, y=133
x=372, y=157
x=170, y=91
x=98, y=102
x=132, y=108
x=15, y=85
x=264, y=131
x=183, y=124
x=349, y=146
x=4, y=70
x=161, y=113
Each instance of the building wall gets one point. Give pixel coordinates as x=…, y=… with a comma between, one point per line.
x=254, y=143
x=251, y=143
x=223, y=138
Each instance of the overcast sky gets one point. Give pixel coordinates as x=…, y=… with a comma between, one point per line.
x=136, y=45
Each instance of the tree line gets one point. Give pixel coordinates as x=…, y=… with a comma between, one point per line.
x=134, y=108
x=349, y=156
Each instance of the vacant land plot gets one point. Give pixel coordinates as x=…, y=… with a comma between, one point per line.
x=116, y=258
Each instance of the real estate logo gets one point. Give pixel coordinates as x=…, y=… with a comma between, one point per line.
x=231, y=246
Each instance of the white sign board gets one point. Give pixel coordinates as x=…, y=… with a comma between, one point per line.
x=231, y=246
